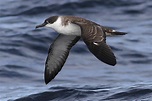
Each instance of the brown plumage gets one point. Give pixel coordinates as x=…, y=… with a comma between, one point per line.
x=71, y=28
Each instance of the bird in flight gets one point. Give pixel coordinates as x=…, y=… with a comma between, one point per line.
x=71, y=29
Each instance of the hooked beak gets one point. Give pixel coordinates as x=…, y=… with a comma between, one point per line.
x=41, y=25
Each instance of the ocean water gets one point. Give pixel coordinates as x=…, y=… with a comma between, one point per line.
x=23, y=51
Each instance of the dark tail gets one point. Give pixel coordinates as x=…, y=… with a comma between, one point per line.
x=111, y=32
x=117, y=33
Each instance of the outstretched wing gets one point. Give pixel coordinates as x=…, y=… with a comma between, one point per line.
x=58, y=53
x=95, y=39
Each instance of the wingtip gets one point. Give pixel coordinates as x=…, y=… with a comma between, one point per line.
x=46, y=82
x=112, y=63
x=47, y=79
x=47, y=76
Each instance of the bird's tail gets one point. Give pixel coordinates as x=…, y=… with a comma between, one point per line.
x=115, y=33
x=111, y=32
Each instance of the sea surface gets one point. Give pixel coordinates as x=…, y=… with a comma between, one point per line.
x=23, y=51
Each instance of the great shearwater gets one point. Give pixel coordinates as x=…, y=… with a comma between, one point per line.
x=71, y=29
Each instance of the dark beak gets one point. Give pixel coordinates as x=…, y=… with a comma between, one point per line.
x=42, y=25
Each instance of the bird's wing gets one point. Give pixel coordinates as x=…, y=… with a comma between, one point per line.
x=95, y=39
x=58, y=53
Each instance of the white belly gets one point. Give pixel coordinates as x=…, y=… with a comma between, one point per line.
x=70, y=29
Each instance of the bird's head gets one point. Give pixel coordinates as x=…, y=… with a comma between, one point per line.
x=48, y=22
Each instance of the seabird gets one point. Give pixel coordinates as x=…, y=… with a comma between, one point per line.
x=71, y=29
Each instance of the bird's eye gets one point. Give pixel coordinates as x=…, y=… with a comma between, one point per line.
x=47, y=22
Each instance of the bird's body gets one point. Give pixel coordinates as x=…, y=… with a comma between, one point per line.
x=71, y=29
x=66, y=28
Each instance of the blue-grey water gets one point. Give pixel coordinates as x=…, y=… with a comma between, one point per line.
x=23, y=51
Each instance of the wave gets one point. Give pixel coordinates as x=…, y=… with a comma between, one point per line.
x=19, y=44
x=134, y=94
x=86, y=93
x=68, y=7
x=63, y=94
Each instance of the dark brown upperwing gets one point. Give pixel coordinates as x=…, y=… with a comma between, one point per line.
x=95, y=39
x=102, y=51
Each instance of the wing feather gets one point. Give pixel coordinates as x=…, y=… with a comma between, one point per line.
x=58, y=53
x=95, y=38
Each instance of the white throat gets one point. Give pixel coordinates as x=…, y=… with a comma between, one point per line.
x=69, y=29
